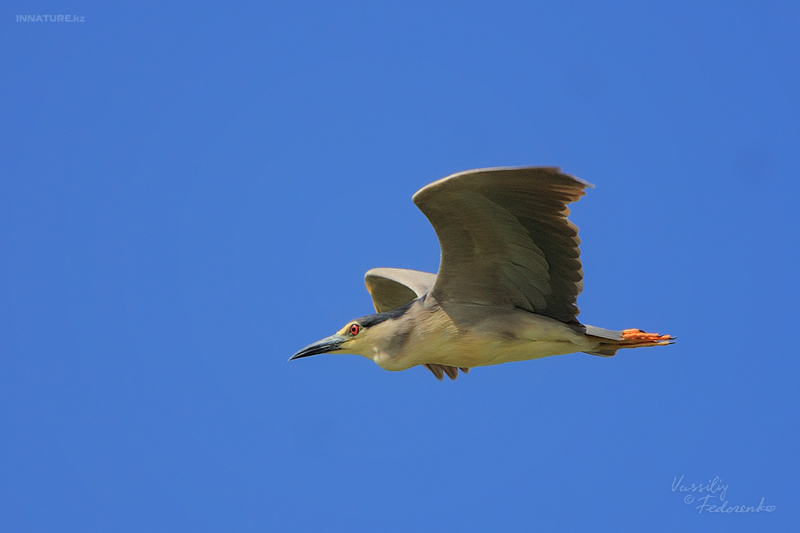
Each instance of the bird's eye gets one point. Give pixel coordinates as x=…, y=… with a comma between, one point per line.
x=354, y=329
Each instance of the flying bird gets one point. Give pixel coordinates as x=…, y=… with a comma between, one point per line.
x=509, y=277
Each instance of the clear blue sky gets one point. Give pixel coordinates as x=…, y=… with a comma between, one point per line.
x=190, y=193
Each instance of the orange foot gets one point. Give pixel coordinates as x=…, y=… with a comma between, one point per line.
x=639, y=335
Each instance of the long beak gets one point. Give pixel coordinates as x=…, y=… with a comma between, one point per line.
x=326, y=345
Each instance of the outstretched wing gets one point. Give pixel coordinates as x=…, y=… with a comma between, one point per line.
x=506, y=240
x=392, y=287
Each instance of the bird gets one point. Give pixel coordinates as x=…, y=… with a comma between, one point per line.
x=507, y=286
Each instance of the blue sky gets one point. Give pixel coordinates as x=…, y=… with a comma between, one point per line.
x=190, y=193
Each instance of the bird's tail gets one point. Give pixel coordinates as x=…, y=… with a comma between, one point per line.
x=611, y=341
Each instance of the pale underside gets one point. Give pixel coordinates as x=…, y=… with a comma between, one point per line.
x=480, y=337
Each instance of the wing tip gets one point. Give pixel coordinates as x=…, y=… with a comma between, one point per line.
x=556, y=171
x=440, y=371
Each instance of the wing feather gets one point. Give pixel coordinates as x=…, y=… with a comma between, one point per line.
x=506, y=239
x=391, y=288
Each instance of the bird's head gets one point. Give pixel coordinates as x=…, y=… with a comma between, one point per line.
x=354, y=338
x=362, y=336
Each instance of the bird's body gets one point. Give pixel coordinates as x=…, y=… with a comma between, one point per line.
x=507, y=285
x=426, y=334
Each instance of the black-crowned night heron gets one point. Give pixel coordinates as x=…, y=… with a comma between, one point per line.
x=509, y=275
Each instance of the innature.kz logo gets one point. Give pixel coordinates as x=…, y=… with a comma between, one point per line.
x=50, y=18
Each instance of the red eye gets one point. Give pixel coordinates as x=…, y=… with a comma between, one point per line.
x=354, y=329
